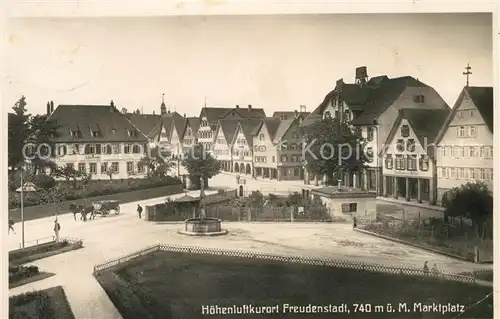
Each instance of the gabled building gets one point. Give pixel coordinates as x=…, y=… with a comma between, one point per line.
x=165, y=130
x=176, y=138
x=242, y=146
x=210, y=115
x=222, y=144
x=99, y=140
x=409, y=155
x=147, y=124
x=288, y=115
x=465, y=142
x=278, y=149
x=189, y=136
x=372, y=105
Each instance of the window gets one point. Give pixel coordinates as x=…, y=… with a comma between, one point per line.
x=130, y=167
x=104, y=168
x=412, y=162
x=274, y=159
x=488, y=174
x=295, y=135
x=424, y=163
x=486, y=152
x=461, y=131
x=349, y=208
x=453, y=172
x=115, y=167
x=140, y=167
x=410, y=145
x=440, y=172
x=95, y=133
x=293, y=146
x=70, y=166
x=132, y=133
x=472, y=131
x=419, y=98
x=264, y=159
x=474, y=174
x=482, y=174
x=405, y=130
x=466, y=152
x=347, y=115
x=327, y=115
x=127, y=148
x=400, y=162
x=116, y=148
x=261, y=137
x=471, y=113
x=284, y=146
x=293, y=158
x=93, y=168
x=136, y=149
x=369, y=133
x=336, y=114
x=400, y=145
x=388, y=161
x=92, y=149
x=81, y=167
x=296, y=172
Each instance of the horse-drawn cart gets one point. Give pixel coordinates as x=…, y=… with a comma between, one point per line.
x=103, y=207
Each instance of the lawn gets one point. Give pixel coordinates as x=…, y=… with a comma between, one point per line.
x=44, y=304
x=177, y=285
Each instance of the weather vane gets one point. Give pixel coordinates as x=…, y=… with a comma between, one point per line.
x=467, y=73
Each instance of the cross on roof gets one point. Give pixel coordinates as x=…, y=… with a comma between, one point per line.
x=467, y=73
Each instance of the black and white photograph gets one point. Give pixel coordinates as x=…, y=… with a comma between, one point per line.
x=312, y=165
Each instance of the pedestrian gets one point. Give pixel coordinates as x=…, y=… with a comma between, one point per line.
x=238, y=179
x=139, y=210
x=354, y=222
x=11, y=224
x=57, y=228
x=426, y=267
x=435, y=270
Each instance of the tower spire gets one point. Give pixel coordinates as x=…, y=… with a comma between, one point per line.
x=163, y=108
x=467, y=73
x=205, y=104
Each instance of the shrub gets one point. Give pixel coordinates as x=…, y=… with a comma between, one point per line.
x=44, y=181
x=41, y=301
x=17, y=273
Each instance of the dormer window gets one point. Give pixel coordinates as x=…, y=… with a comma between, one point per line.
x=132, y=133
x=74, y=132
x=405, y=130
x=94, y=133
x=419, y=98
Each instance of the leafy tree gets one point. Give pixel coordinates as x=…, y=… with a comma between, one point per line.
x=473, y=201
x=42, y=131
x=110, y=172
x=17, y=133
x=294, y=199
x=53, y=196
x=159, y=163
x=333, y=148
x=44, y=181
x=68, y=173
x=200, y=165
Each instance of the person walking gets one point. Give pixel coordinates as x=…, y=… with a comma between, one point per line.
x=57, y=228
x=139, y=211
x=354, y=222
x=11, y=226
x=426, y=267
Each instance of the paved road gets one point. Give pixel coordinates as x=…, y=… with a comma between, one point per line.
x=112, y=237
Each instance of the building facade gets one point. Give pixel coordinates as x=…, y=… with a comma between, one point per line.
x=409, y=169
x=242, y=146
x=264, y=149
x=222, y=144
x=98, y=140
x=465, y=142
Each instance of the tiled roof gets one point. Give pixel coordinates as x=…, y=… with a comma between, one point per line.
x=214, y=113
x=248, y=126
x=112, y=125
x=290, y=114
x=483, y=100
x=272, y=125
x=167, y=120
x=179, y=125
x=383, y=97
x=194, y=123
x=146, y=123
x=228, y=128
x=426, y=123
x=282, y=129
x=311, y=119
x=249, y=112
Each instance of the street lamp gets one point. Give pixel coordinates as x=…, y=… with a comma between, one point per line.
x=25, y=187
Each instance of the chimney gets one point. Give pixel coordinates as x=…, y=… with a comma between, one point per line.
x=184, y=115
x=249, y=107
x=48, y=108
x=111, y=106
x=237, y=106
x=339, y=84
x=296, y=113
x=154, y=112
x=51, y=106
x=361, y=76
x=303, y=108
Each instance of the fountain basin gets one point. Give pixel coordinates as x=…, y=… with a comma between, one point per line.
x=208, y=226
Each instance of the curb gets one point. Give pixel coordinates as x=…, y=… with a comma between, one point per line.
x=413, y=245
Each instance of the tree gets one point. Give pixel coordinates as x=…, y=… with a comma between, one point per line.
x=53, y=196
x=17, y=133
x=159, y=163
x=110, y=172
x=333, y=148
x=473, y=201
x=42, y=131
x=200, y=165
x=68, y=173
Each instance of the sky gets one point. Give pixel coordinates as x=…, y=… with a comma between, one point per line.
x=275, y=62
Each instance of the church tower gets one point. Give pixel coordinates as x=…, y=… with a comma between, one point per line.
x=163, y=107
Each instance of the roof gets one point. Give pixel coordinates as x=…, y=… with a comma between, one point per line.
x=248, y=112
x=248, y=126
x=311, y=119
x=283, y=128
x=214, y=113
x=342, y=192
x=228, y=128
x=290, y=114
x=179, y=125
x=112, y=125
x=186, y=199
x=483, y=100
x=482, y=97
x=272, y=125
x=383, y=97
x=194, y=123
x=146, y=123
x=426, y=123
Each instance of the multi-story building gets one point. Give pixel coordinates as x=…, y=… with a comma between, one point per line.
x=278, y=149
x=222, y=144
x=210, y=115
x=242, y=146
x=289, y=115
x=147, y=124
x=465, y=142
x=409, y=155
x=165, y=130
x=98, y=140
x=189, y=136
x=372, y=106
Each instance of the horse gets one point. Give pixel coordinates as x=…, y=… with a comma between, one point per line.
x=75, y=209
